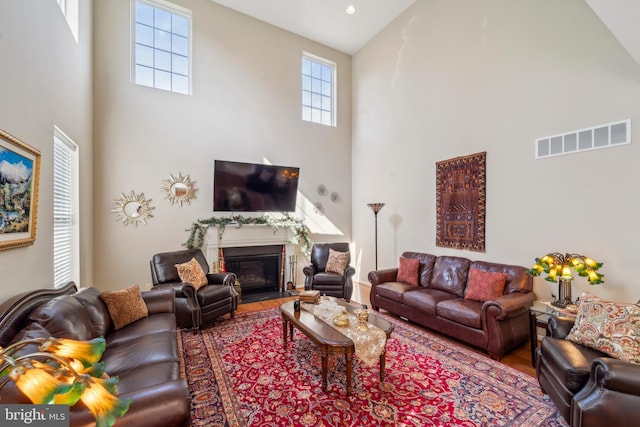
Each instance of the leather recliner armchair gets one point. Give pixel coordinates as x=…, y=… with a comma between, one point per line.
x=328, y=283
x=194, y=309
x=590, y=388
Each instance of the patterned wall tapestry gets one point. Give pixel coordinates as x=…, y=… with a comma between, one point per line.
x=460, y=202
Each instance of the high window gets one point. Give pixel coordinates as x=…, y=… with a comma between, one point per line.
x=162, y=46
x=66, y=257
x=318, y=90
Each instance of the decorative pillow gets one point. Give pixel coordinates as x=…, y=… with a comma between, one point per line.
x=125, y=306
x=337, y=261
x=192, y=272
x=612, y=328
x=408, y=270
x=485, y=285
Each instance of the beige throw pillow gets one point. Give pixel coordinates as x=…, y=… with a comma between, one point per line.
x=125, y=306
x=610, y=327
x=337, y=261
x=192, y=272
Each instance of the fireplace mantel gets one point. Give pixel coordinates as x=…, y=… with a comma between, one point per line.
x=249, y=235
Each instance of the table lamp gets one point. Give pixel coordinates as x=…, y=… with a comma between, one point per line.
x=558, y=267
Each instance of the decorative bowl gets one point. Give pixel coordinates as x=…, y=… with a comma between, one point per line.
x=341, y=320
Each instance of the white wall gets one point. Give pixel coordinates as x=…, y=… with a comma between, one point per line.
x=245, y=107
x=457, y=77
x=45, y=81
x=447, y=78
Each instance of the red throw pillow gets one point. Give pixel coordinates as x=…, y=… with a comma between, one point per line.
x=408, y=270
x=485, y=285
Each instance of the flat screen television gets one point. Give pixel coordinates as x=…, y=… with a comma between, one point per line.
x=250, y=187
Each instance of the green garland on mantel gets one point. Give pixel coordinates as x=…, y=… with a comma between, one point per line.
x=199, y=229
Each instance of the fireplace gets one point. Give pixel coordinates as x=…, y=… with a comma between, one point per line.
x=258, y=268
x=251, y=236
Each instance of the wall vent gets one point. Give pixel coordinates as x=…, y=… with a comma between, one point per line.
x=603, y=136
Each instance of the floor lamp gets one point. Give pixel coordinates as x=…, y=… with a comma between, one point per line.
x=375, y=207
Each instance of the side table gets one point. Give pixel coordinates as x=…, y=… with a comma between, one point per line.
x=539, y=315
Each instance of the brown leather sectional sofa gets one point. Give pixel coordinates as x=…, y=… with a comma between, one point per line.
x=496, y=326
x=143, y=354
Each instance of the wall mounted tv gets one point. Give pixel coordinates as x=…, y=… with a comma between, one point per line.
x=249, y=187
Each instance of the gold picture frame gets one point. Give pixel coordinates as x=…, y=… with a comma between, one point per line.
x=19, y=178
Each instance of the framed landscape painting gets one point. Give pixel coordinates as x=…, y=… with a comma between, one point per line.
x=19, y=176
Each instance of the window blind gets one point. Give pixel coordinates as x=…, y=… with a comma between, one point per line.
x=63, y=220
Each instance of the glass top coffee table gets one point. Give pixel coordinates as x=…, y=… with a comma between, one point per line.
x=327, y=338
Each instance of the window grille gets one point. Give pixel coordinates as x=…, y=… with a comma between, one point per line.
x=318, y=90
x=162, y=46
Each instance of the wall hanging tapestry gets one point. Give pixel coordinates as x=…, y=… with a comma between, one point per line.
x=460, y=202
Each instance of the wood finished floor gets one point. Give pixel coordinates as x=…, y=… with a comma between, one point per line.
x=519, y=359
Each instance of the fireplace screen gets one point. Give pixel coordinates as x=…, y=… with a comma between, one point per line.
x=258, y=268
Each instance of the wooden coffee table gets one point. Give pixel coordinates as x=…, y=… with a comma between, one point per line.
x=327, y=338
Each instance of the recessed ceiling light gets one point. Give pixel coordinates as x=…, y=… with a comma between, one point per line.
x=351, y=9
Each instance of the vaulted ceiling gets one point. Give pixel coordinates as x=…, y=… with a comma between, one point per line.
x=622, y=17
x=328, y=23
x=325, y=21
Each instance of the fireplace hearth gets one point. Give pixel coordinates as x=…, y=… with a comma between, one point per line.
x=259, y=269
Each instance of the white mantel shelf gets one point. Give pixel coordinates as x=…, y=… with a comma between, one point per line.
x=248, y=235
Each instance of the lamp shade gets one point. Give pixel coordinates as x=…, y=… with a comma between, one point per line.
x=556, y=265
x=375, y=207
x=64, y=371
x=558, y=268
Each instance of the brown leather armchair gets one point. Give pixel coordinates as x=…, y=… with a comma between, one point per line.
x=194, y=309
x=328, y=283
x=589, y=388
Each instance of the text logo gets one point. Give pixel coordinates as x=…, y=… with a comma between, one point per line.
x=34, y=415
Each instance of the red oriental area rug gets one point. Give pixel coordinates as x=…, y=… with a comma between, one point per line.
x=240, y=375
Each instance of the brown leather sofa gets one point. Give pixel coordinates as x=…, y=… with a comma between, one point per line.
x=143, y=354
x=590, y=388
x=438, y=302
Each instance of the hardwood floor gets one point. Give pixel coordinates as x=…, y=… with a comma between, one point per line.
x=519, y=359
